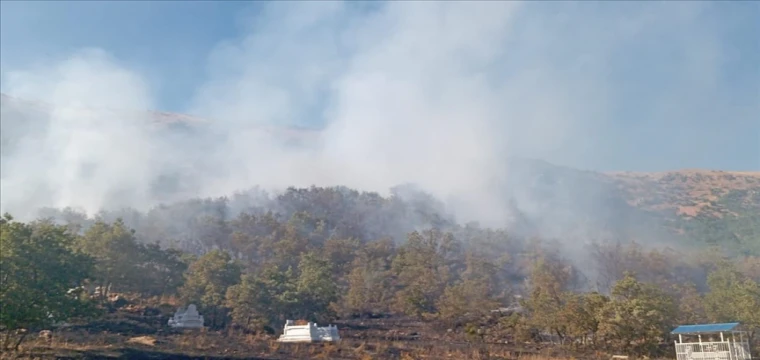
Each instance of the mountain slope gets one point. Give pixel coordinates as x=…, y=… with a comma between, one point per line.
x=689, y=206
x=708, y=206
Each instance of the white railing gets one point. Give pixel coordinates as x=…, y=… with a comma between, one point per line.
x=741, y=351
x=713, y=351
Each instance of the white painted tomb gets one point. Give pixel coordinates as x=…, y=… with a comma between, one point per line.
x=308, y=333
x=187, y=318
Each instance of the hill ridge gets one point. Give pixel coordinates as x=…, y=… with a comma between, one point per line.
x=698, y=204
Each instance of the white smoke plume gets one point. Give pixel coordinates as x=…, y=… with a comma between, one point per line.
x=434, y=93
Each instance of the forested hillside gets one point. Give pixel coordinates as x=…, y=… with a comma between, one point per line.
x=252, y=261
x=593, y=261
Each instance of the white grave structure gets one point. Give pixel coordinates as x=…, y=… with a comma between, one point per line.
x=308, y=333
x=187, y=318
x=712, y=342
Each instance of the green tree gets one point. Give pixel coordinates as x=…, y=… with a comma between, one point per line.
x=733, y=296
x=582, y=315
x=369, y=281
x=207, y=281
x=421, y=272
x=549, y=284
x=639, y=316
x=316, y=288
x=299, y=235
x=39, y=267
x=475, y=293
x=163, y=270
x=468, y=299
x=263, y=299
x=124, y=264
x=341, y=254
x=116, y=252
x=691, y=304
x=253, y=237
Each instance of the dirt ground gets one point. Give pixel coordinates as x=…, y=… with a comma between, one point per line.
x=140, y=333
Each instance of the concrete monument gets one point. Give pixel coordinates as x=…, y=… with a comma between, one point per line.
x=187, y=318
x=309, y=332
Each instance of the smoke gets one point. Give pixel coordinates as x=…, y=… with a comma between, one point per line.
x=438, y=94
x=80, y=157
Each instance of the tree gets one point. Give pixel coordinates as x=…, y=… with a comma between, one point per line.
x=639, y=316
x=340, y=253
x=39, y=267
x=733, y=296
x=263, y=299
x=270, y=295
x=116, y=253
x=163, y=270
x=467, y=299
x=549, y=284
x=300, y=234
x=207, y=281
x=316, y=288
x=253, y=237
x=475, y=294
x=750, y=267
x=421, y=272
x=124, y=264
x=691, y=304
x=582, y=315
x=369, y=281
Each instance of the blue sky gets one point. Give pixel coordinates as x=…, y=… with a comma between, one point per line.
x=624, y=86
x=168, y=40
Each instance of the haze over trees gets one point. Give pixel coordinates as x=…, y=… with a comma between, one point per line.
x=326, y=253
x=431, y=115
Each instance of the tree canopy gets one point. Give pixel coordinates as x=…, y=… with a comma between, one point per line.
x=323, y=253
x=41, y=273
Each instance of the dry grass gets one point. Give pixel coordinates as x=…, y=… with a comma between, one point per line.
x=143, y=340
x=687, y=192
x=195, y=341
x=359, y=344
x=198, y=345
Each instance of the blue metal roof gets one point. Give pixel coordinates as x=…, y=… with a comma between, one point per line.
x=704, y=328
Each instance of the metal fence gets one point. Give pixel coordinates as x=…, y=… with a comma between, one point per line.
x=713, y=351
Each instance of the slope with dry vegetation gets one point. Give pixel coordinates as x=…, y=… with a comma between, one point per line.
x=703, y=206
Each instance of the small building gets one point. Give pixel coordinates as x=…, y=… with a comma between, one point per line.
x=186, y=318
x=308, y=332
x=712, y=342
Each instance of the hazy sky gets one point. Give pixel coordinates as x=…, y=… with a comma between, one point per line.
x=637, y=86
